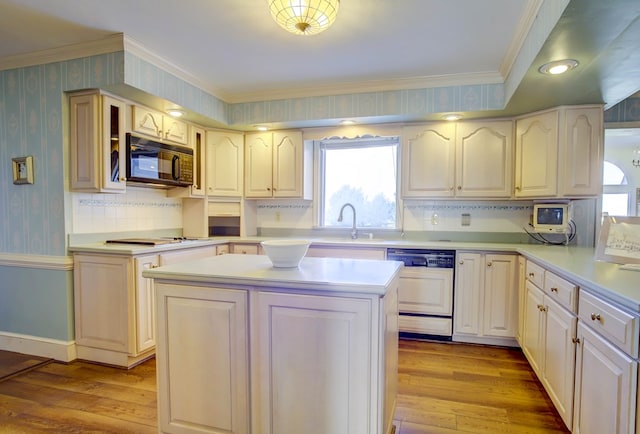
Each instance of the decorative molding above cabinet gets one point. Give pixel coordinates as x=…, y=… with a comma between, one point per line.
x=159, y=126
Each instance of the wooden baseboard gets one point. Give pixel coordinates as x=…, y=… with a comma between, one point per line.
x=64, y=351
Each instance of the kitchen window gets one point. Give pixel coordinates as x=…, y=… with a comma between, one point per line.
x=615, y=190
x=362, y=172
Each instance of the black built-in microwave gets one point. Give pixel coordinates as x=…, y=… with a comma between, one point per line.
x=151, y=162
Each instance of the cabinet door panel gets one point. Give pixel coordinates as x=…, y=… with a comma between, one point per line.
x=258, y=165
x=500, y=295
x=225, y=153
x=537, y=155
x=582, y=156
x=429, y=160
x=287, y=164
x=605, y=391
x=484, y=159
x=468, y=293
x=218, y=370
x=145, y=305
x=321, y=347
x=559, y=364
x=109, y=280
x=533, y=327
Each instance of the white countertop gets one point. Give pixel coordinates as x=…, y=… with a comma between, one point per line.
x=576, y=264
x=326, y=274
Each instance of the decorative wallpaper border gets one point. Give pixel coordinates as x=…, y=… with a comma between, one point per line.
x=132, y=203
x=467, y=207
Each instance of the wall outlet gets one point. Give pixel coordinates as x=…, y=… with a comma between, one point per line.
x=466, y=219
x=277, y=216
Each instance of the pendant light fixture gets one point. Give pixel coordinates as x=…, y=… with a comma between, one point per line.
x=304, y=17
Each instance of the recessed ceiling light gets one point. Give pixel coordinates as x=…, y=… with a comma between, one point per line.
x=176, y=113
x=452, y=117
x=558, y=66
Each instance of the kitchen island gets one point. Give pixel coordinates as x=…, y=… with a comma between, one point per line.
x=244, y=347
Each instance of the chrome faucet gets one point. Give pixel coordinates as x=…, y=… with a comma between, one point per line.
x=354, y=231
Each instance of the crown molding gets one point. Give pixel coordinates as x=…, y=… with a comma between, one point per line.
x=60, y=263
x=523, y=28
x=453, y=80
x=110, y=44
x=134, y=47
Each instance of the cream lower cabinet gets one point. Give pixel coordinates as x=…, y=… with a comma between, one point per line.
x=486, y=298
x=549, y=335
x=548, y=342
x=247, y=360
x=606, y=368
x=203, y=388
x=324, y=347
x=115, y=305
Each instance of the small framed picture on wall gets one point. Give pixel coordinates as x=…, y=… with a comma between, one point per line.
x=23, y=170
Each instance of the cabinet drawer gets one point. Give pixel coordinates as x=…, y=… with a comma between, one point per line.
x=561, y=290
x=425, y=325
x=616, y=325
x=535, y=274
x=244, y=249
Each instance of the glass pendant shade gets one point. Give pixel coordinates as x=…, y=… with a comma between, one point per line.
x=304, y=17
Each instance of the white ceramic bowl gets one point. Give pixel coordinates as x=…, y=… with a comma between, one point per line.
x=285, y=253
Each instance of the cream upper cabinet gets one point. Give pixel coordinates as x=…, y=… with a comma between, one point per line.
x=278, y=164
x=559, y=153
x=537, y=155
x=158, y=125
x=428, y=156
x=97, y=143
x=198, y=188
x=467, y=159
x=581, y=153
x=225, y=154
x=486, y=298
x=484, y=159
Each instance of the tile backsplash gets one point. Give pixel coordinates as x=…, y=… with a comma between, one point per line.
x=139, y=209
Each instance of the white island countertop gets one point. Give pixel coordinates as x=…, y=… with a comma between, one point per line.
x=324, y=274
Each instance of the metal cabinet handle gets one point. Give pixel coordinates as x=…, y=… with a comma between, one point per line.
x=542, y=308
x=461, y=262
x=459, y=187
x=575, y=340
x=488, y=264
x=532, y=274
x=554, y=289
x=596, y=317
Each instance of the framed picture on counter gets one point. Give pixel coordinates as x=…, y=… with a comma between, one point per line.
x=23, y=170
x=619, y=240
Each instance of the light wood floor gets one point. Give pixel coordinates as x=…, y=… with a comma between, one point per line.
x=443, y=389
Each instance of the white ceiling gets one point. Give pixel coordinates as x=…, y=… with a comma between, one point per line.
x=234, y=50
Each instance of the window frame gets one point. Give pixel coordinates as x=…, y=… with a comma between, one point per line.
x=319, y=175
